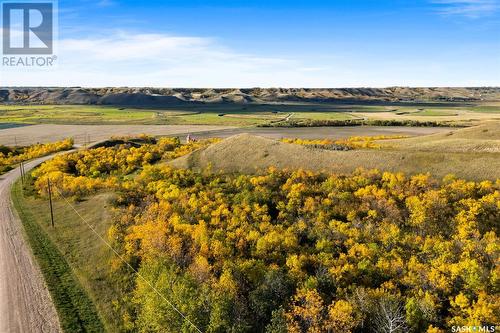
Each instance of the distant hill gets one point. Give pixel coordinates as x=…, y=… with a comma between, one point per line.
x=170, y=97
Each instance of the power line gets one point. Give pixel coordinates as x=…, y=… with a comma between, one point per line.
x=130, y=266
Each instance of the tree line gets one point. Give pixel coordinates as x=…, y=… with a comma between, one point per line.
x=10, y=156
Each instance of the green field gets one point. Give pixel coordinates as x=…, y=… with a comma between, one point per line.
x=240, y=114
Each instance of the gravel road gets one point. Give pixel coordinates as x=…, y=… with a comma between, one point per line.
x=25, y=302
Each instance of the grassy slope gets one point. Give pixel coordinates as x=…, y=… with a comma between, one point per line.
x=483, y=138
x=472, y=153
x=73, y=259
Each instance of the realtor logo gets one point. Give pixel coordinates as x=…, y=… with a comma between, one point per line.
x=28, y=28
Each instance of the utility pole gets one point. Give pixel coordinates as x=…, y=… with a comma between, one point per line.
x=86, y=139
x=21, y=170
x=50, y=203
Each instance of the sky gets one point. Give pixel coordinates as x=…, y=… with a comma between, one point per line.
x=215, y=43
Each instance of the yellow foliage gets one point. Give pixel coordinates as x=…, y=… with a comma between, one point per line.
x=355, y=142
x=433, y=329
x=27, y=153
x=341, y=317
x=306, y=314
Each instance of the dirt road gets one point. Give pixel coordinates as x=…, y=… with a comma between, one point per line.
x=25, y=303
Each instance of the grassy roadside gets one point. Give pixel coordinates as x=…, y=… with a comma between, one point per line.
x=74, y=264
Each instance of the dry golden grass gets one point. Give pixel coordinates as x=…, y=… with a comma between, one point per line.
x=482, y=138
x=438, y=154
x=456, y=116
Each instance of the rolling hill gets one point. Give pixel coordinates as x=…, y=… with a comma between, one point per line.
x=439, y=155
x=169, y=97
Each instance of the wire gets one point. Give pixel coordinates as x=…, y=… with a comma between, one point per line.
x=130, y=266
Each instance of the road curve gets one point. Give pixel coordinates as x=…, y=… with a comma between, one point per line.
x=25, y=302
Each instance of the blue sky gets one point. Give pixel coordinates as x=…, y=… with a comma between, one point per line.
x=275, y=43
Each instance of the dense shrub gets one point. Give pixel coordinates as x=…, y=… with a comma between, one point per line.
x=357, y=122
x=306, y=252
x=354, y=142
x=11, y=156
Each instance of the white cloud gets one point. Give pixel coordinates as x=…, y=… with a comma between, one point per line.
x=159, y=60
x=126, y=47
x=467, y=8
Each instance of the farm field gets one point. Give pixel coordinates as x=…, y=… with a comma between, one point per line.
x=24, y=125
x=221, y=114
x=84, y=134
x=246, y=114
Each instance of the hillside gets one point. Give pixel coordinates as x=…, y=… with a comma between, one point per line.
x=169, y=97
x=247, y=153
x=482, y=138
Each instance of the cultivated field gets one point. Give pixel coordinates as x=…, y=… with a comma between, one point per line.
x=248, y=114
x=94, y=123
x=83, y=134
